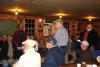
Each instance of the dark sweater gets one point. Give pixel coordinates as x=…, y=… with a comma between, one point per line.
x=93, y=38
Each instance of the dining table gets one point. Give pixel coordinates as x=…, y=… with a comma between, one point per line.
x=74, y=64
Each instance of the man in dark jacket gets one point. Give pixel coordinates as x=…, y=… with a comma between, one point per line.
x=91, y=36
x=53, y=58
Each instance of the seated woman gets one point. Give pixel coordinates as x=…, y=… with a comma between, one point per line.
x=86, y=53
x=53, y=58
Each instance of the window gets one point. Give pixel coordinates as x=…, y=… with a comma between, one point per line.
x=30, y=26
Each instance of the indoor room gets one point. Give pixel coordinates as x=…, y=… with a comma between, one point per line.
x=49, y=33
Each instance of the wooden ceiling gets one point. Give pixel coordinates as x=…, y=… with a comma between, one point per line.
x=76, y=8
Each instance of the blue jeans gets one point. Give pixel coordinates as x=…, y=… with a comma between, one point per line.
x=61, y=50
x=93, y=52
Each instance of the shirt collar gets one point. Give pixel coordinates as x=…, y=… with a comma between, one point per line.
x=30, y=50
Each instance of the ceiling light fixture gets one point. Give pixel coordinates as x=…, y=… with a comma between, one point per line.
x=60, y=16
x=16, y=13
x=25, y=0
x=90, y=18
x=16, y=10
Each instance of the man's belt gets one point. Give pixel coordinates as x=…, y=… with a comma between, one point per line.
x=61, y=46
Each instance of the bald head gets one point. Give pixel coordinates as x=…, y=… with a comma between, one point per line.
x=84, y=45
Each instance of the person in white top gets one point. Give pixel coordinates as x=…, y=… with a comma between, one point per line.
x=33, y=38
x=30, y=58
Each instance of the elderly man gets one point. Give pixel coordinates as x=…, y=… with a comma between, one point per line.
x=90, y=35
x=61, y=35
x=30, y=58
x=53, y=58
x=86, y=53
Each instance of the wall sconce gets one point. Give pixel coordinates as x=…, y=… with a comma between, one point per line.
x=40, y=19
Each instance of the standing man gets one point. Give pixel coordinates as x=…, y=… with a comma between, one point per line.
x=30, y=58
x=18, y=37
x=61, y=35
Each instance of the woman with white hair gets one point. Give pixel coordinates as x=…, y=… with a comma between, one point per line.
x=30, y=58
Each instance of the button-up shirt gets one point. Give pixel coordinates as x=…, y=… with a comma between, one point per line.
x=61, y=36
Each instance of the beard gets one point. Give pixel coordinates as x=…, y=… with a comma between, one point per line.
x=89, y=30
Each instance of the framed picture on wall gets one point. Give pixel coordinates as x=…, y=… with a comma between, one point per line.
x=46, y=30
